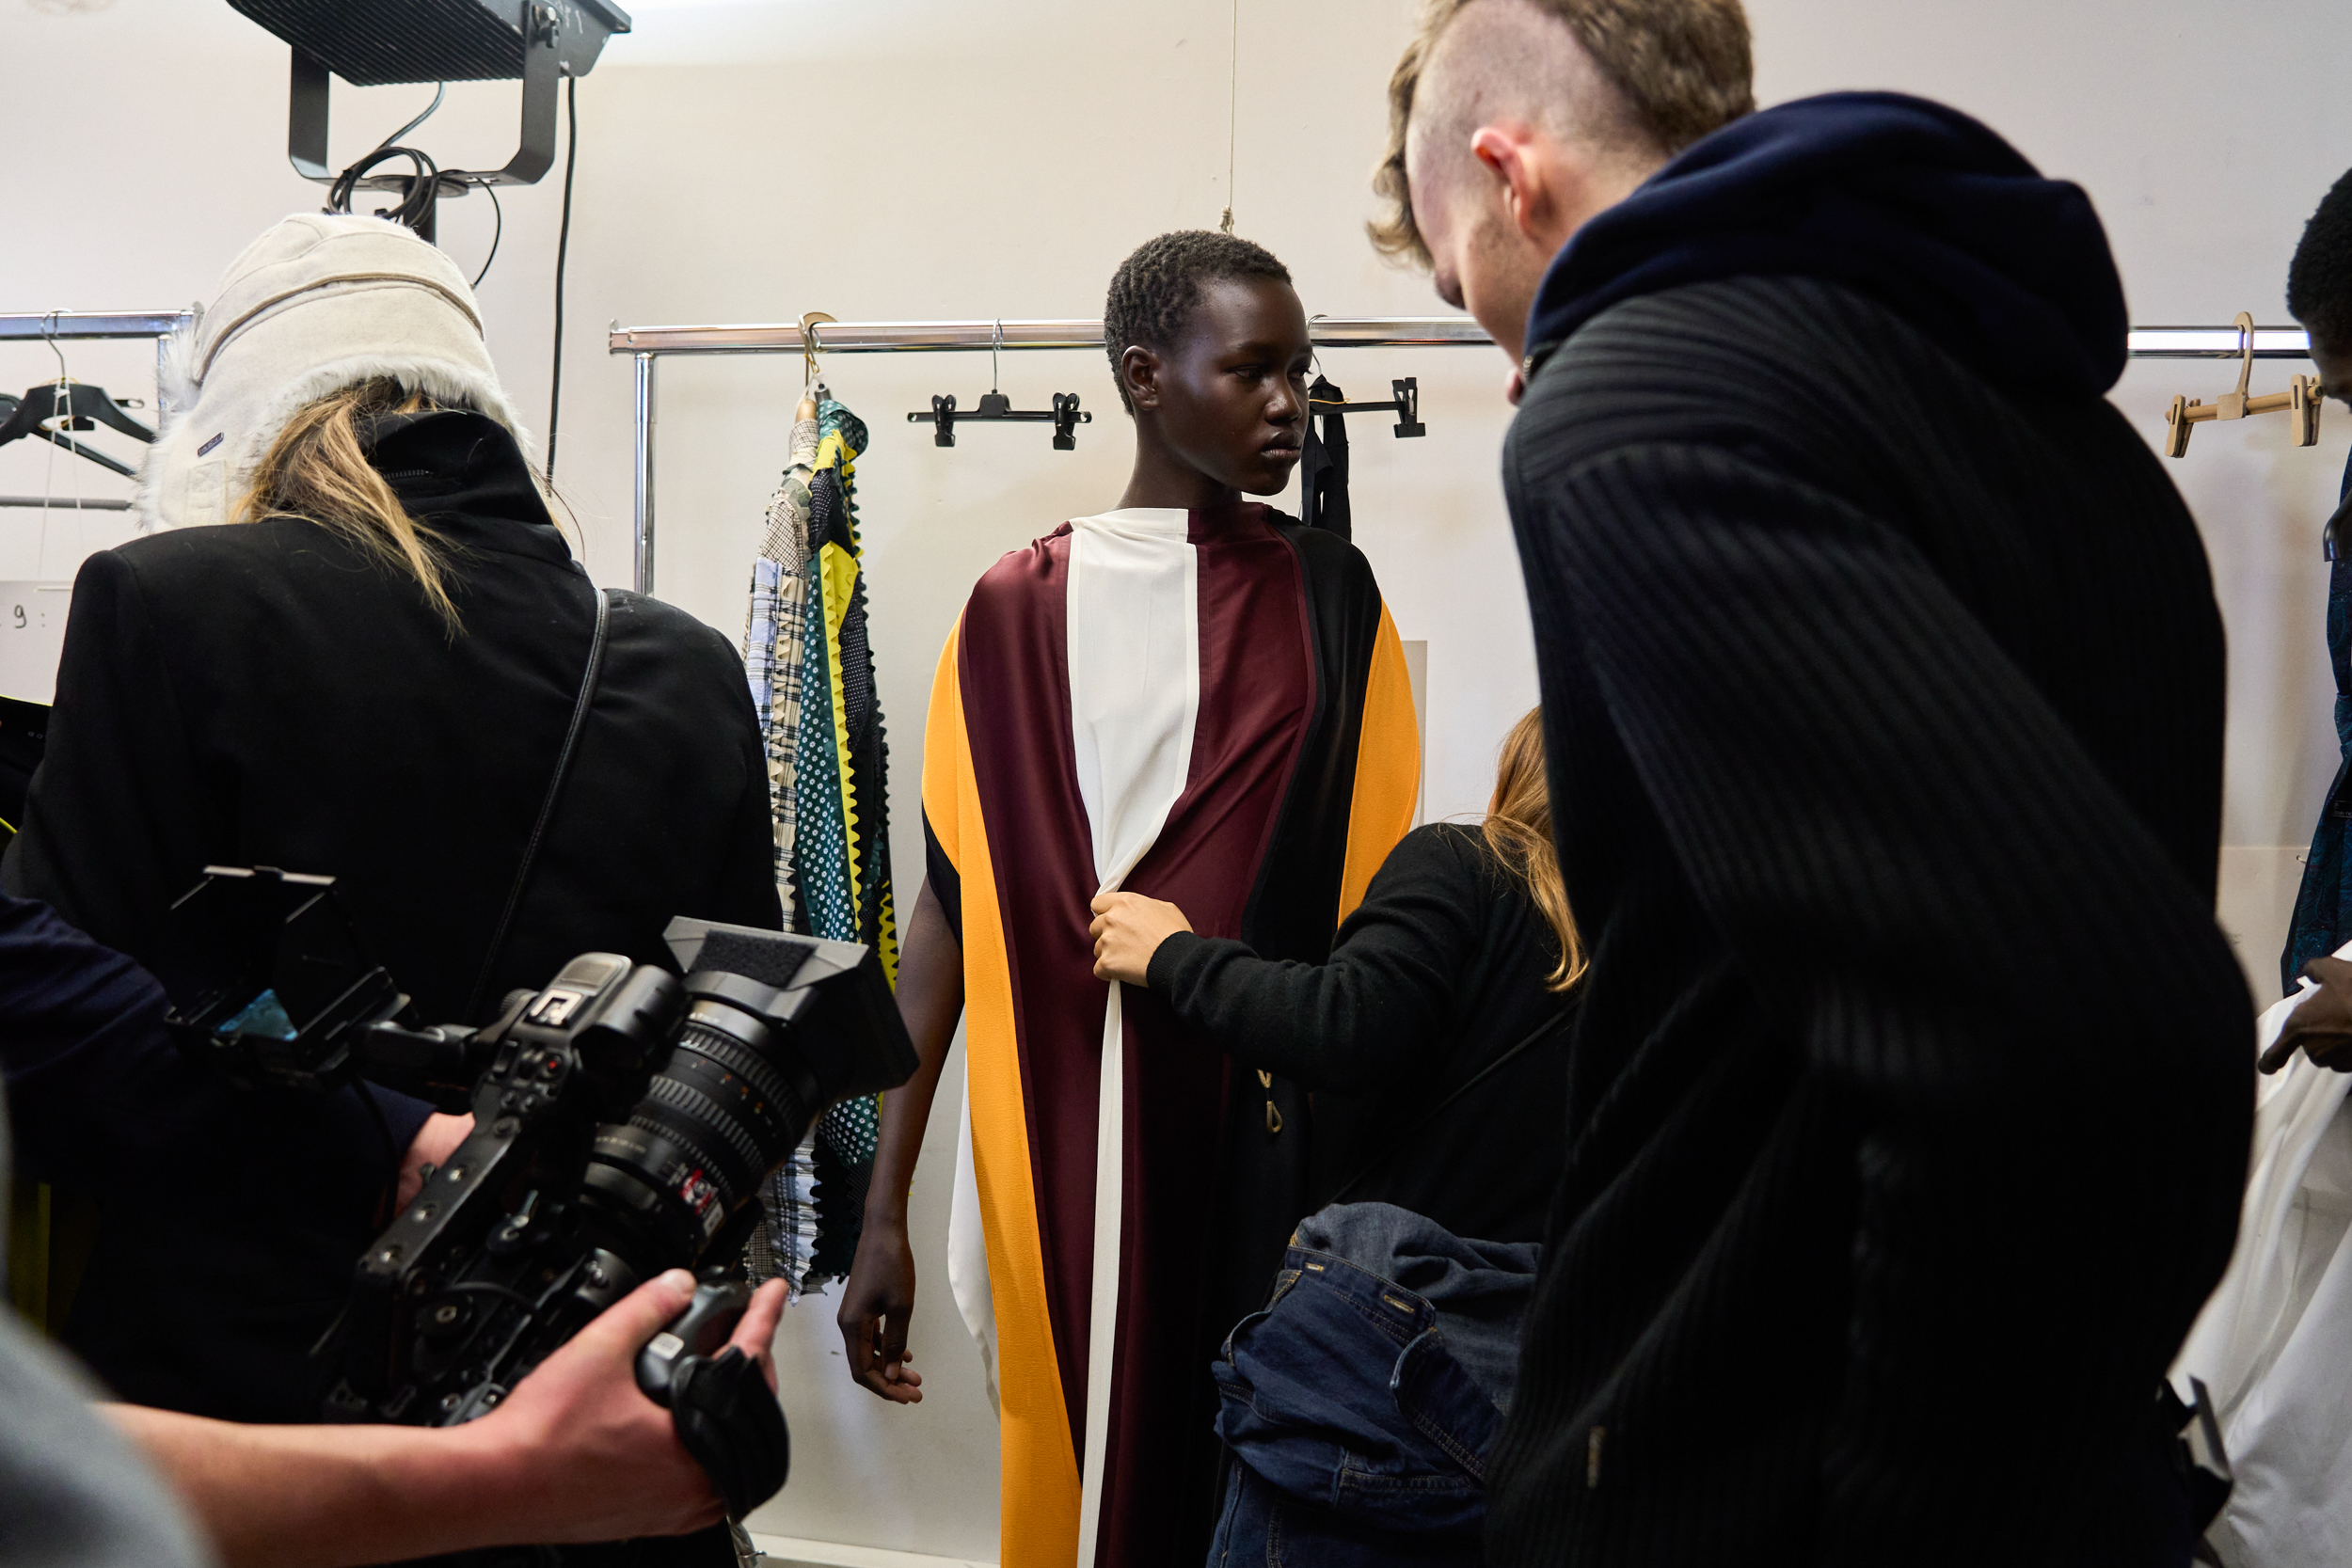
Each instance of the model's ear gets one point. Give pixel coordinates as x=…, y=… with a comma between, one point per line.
x=1140, y=374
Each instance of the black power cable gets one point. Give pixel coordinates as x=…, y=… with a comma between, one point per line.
x=562, y=246
x=495, y=234
x=415, y=203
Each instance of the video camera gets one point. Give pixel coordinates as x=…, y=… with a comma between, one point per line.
x=624, y=1119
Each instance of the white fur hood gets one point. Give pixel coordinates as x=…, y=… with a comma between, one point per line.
x=320, y=302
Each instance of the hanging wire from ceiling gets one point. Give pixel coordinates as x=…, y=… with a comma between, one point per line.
x=1232, y=118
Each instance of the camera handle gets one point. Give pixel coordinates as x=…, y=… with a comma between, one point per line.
x=726, y=1414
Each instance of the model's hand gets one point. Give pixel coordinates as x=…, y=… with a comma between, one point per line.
x=875, y=1306
x=434, y=1142
x=598, y=1460
x=2321, y=1027
x=1128, y=929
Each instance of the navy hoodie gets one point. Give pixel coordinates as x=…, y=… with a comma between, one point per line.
x=1910, y=203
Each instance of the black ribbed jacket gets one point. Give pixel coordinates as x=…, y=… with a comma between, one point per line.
x=1909, y=1101
x=1438, y=976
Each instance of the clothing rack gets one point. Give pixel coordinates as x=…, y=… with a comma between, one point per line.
x=646, y=344
x=81, y=326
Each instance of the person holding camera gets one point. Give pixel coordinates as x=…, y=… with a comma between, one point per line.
x=386, y=667
x=1438, y=1031
x=576, y=1452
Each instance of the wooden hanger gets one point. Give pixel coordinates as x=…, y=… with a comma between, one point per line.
x=2302, y=399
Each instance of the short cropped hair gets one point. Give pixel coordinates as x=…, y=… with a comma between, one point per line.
x=1156, y=290
x=1682, y=67
x=2319, y=279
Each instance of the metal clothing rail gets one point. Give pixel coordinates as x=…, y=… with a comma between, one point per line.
x=644, y=344
x=82, y=326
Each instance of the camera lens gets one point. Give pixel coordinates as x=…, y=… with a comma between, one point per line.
x=732, y=1100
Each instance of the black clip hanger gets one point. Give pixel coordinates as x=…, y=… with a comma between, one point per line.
x=1406, y=404
x=76, y=406
x=996, y=408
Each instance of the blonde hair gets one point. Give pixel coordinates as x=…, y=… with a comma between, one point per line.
x=1519, y=833
x=1682, y=68
x=318, y=470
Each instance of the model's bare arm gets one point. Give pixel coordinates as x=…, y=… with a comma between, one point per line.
x=880, y=1295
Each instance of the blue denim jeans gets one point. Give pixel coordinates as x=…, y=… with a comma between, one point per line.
x=1357, y=1437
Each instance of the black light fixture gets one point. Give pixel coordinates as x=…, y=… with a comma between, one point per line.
x=376, y=43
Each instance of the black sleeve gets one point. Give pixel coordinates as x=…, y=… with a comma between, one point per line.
x=116, y=821
x=1982, y=954
x=119, y=821
x=91, y=1075
x=1382, y=1003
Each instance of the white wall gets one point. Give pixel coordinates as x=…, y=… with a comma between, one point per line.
x=918, y=158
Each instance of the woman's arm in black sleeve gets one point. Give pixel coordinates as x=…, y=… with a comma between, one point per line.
x=1357, y=1021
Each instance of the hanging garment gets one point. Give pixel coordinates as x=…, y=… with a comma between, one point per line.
x=1208, y=707
x=828, y=767
x=841, y=843
x=785, y=1245
x=773, y=638
x=2271, y=1343
x=1322, y=466
x=1362, y=1403
x=2323, y=906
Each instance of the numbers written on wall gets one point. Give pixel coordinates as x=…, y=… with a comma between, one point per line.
x=32, y=634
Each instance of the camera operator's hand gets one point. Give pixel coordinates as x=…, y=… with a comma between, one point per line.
x=604, y=1458
x=434, y=1142
x=875, y=1305
x=575, y=1453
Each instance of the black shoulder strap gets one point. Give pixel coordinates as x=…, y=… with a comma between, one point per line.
x=1389, y=1146
x=547, y=809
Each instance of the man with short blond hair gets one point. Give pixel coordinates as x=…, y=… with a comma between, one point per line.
x=1882, y=686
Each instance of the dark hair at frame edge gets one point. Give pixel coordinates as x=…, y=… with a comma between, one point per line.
x=2319, y=279
x=1155, y=290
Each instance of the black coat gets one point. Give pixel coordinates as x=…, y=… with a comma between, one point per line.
x=1909, y=1098
x=1437, y=974
x=267, y=693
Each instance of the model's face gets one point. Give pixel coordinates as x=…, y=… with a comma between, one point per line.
x=1229, y=396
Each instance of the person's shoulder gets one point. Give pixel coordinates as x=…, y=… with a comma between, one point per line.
x=187, y=580
x=1737, y=362
x=174, y=555
x=1323, y=554
x=1449, y=851
x=1020, y=577
x=636, y=614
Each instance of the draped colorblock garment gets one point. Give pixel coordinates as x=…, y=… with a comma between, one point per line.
x=1210, y=709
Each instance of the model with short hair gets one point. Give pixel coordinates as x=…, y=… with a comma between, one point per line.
x=2319, y=294
x=1193, y=696
x=1882, y=691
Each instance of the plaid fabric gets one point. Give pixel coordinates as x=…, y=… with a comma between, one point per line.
x=784, y=1246
x=775, y=641
x=773, y=644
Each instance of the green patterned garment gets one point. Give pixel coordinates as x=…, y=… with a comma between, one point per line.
x=840, y=846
